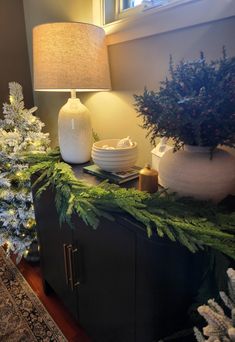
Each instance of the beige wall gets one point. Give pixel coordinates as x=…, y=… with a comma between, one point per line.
x=14, y=62
x=134, y=64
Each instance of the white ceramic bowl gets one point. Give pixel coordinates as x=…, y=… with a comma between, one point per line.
x=114, y=160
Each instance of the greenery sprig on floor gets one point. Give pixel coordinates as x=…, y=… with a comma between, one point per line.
x=194, y=224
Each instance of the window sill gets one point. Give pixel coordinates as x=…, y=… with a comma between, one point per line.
x=168, y=18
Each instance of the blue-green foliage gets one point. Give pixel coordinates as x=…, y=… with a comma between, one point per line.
x=196, y=106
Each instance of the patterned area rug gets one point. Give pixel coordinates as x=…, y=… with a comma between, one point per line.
x=23, y=318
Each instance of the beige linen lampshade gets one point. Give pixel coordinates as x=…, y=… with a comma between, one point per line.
x=70, y=57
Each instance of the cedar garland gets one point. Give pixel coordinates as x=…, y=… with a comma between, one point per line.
x=195, y=224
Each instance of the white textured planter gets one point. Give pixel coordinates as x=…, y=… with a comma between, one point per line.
x=191, y=172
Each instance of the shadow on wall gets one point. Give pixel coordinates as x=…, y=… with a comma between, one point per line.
x=14, y=61
x=145, y=62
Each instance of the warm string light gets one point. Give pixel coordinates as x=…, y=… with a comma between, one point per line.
x=18, y=174
x=31, y=222
x=8, y=244
x=21, y=176
x=26, y=252
x=36, y=143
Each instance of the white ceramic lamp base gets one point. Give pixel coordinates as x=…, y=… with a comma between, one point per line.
x=75, y=132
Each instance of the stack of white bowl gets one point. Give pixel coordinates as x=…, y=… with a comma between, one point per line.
x=109, y=157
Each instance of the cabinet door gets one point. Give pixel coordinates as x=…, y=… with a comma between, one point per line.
x=56, y=251
x=163, y=288
x=106, y=272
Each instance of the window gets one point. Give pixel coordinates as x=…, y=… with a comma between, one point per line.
x=125, y=8
x=130, y=6
x=125, y=20
x=125, y=4
x=130, y=3
x=118, y=9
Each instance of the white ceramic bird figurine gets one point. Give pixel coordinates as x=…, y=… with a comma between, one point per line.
x=126, y=142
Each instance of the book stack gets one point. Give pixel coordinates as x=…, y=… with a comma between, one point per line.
x=113, y=177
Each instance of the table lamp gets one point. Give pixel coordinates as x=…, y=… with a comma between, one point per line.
x=71, y=57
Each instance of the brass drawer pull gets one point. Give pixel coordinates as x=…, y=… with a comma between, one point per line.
x=70, y=267
x=66, y=263
x=71, y=251
x=77, y=282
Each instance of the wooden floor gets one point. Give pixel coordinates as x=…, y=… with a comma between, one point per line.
x=54, y=306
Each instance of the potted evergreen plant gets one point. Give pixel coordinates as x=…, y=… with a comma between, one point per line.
x=196, y=109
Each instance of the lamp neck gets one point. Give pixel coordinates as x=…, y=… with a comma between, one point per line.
x=73, y=94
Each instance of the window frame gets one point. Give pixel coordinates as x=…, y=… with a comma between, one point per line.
x=120, y=13
x=157, y=20
x=123, y=13
x=138, y=9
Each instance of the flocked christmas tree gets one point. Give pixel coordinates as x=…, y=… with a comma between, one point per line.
x=20, y=132
x=220, y=328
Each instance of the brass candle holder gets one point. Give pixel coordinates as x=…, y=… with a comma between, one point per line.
x=148, y=179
